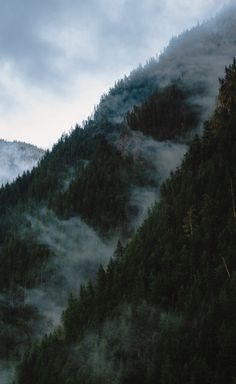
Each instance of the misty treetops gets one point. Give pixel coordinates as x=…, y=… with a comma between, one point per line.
x=117, y=252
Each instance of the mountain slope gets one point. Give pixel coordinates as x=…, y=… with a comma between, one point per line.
x=17, y=158
x=163, y=311
x=196, y=59
x=65, y=217
x=109, y=185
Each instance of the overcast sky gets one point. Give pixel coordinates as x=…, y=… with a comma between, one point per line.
x=58, y=56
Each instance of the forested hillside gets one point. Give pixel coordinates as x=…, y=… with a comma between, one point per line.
x=163, y=310
x=157, y=301
x=196, y=58
x=92, y=187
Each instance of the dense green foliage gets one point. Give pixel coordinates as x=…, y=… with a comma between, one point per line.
x=164, y=310
x=99, y=193
x=165, y=115
x=87, y=174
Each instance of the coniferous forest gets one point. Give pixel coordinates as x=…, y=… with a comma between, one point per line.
x=117, y=252
x=163, y=310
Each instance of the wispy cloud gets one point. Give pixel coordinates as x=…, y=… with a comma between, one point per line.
x=77, y=252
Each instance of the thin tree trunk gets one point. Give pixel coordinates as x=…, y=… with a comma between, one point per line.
x=227, y=270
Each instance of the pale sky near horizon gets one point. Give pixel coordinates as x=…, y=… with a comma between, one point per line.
x=57, y=57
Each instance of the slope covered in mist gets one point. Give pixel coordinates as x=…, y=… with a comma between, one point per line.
x=63, y=219
x=195, y=59
x=17, y=158
x=164, y=309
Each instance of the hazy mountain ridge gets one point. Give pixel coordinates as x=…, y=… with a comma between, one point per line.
x=164, y=309
x=195, y=59
x=16, y=158
x=110, y=184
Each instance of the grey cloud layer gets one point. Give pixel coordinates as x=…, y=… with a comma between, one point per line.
x=35, y=36
x=20, y=44
x=33, y=42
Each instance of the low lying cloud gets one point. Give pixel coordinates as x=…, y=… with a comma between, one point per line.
x=134, y=334
x=77, y=252
x=17, y=158
x=158, y=159
x=6, y=372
